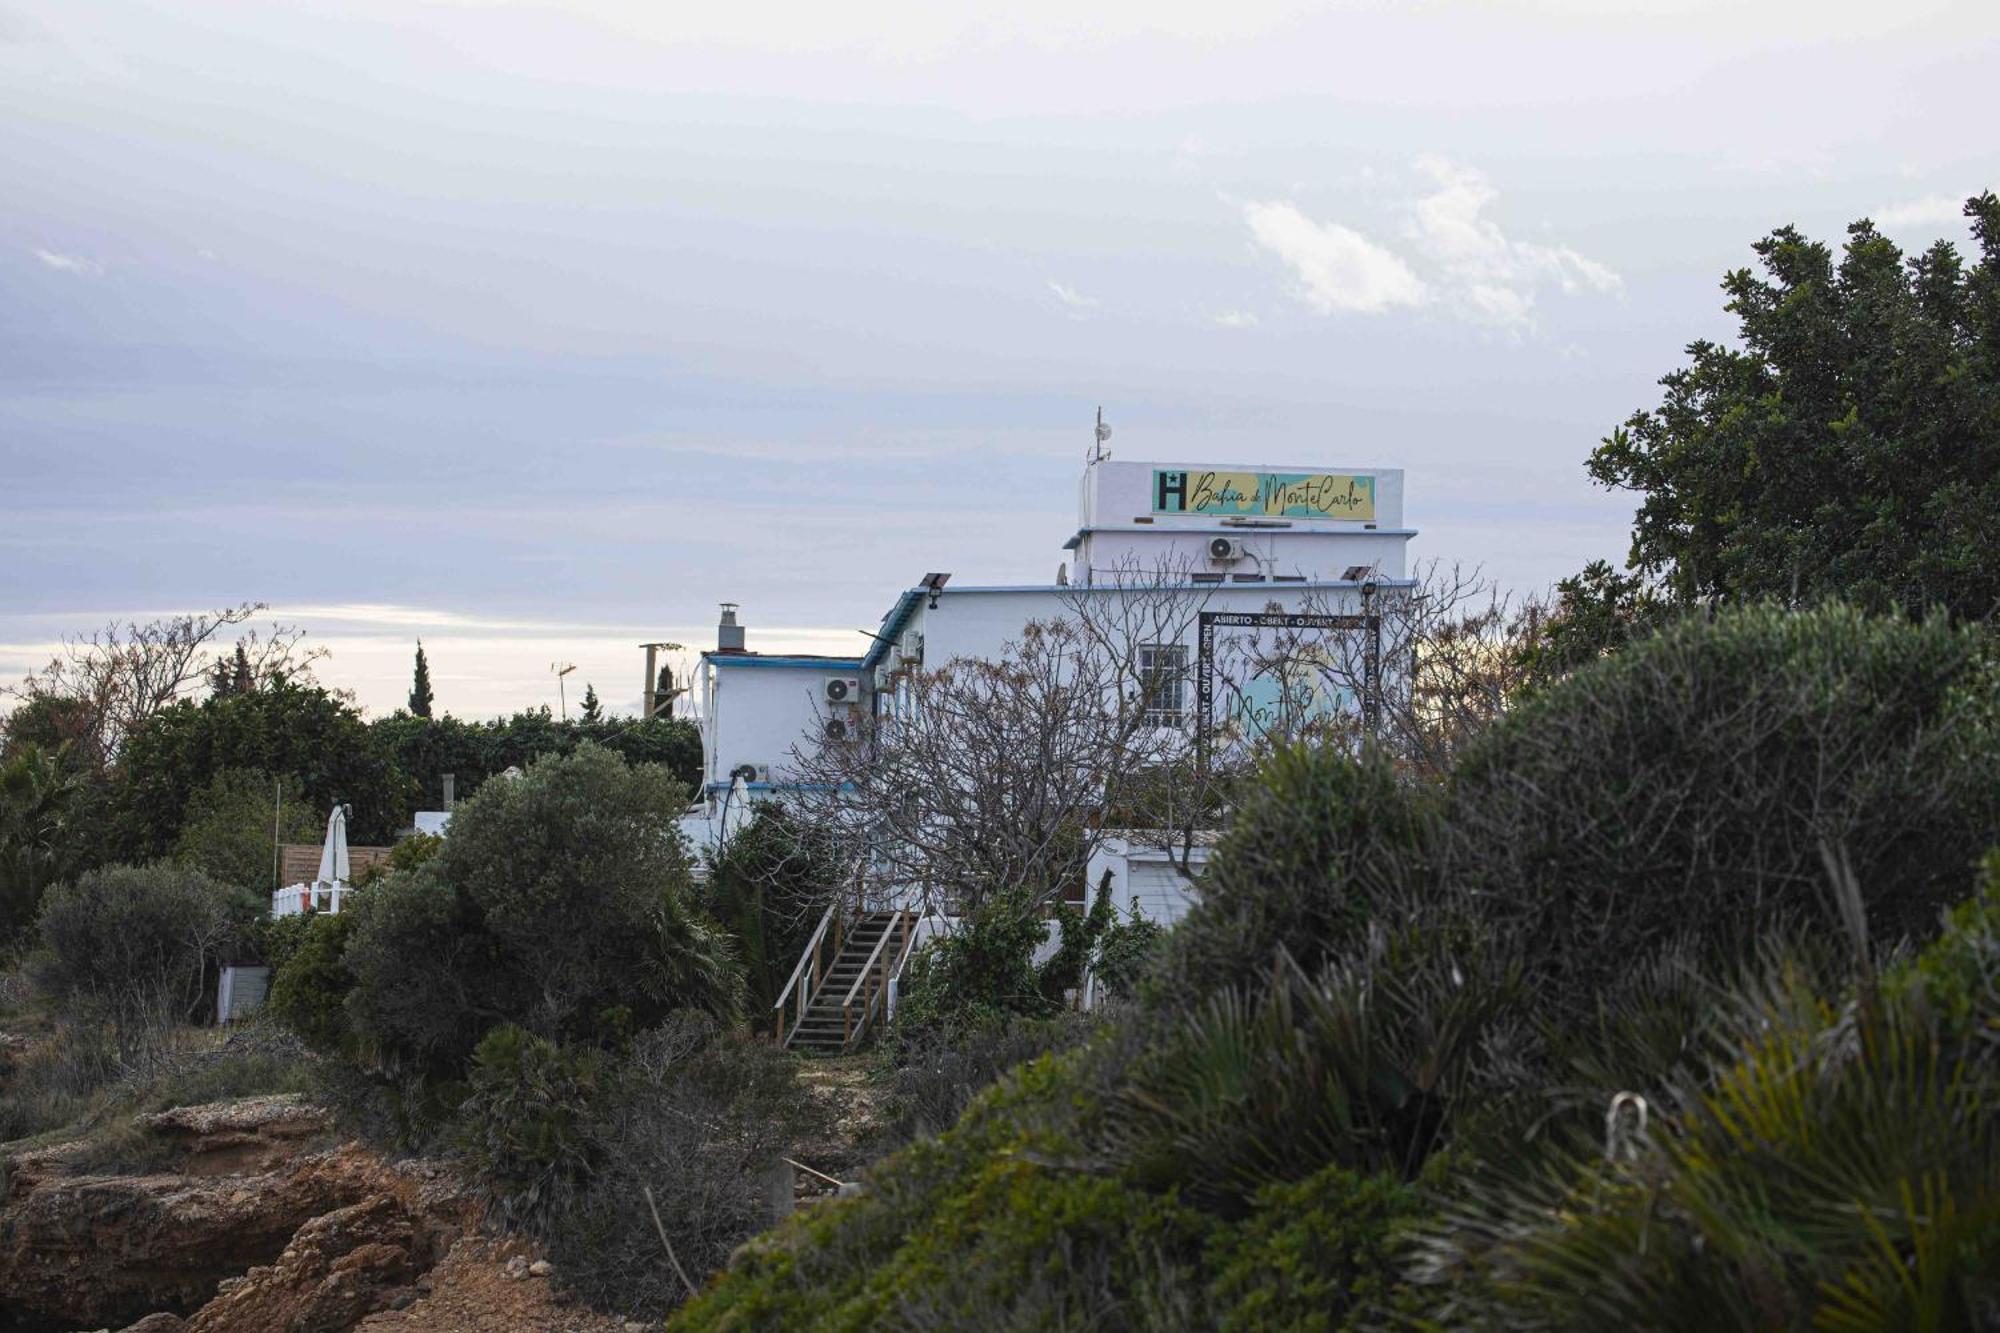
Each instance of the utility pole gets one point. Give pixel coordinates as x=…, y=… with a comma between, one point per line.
x=562, y=669
x=650, y=701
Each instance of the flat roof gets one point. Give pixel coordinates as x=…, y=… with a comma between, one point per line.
x=802, y=661
x=906, y=605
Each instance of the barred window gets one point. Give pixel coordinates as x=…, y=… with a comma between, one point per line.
x=1163, y=676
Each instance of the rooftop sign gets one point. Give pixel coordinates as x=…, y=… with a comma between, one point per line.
x=1263, y=494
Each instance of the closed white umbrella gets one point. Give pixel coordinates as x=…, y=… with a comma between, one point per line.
x=333, y=869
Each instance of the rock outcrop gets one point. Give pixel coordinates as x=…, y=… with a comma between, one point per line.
x=257, y=1225
x=344, y=1232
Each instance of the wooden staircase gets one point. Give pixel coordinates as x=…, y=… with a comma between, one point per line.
x=840, y=989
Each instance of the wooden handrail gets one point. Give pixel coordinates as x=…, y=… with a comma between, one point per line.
x=811, y=951
x=873, y=954
x=877, y=996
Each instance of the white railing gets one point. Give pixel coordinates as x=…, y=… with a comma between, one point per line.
x=294, y=899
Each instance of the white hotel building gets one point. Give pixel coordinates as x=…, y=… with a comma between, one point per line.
x=1250, y=538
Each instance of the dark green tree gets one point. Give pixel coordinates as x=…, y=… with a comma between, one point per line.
x=1848, y=447
x=231, y=826
x=768, y=887
x=593, y=709
x=284, y=729
x=560, y=903
x=420, y=685
x=425, y=749
x=40, y=794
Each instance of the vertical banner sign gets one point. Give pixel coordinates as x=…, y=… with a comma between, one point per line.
x=1263, y=494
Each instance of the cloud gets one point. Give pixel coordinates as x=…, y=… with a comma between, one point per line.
x=67, y=263
x=1234, y=319
x=1456, y=257
x=1073, y=300
x=1933, y=210
x=1339, y=270
x=1484, y=274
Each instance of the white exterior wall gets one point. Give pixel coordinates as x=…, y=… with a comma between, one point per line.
x=981, y=622
x=758, y=711
x=1145, y=878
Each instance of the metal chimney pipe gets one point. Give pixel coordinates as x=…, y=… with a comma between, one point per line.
x=728, y=634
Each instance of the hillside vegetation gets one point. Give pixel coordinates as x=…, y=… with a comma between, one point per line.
x=1675, y=1007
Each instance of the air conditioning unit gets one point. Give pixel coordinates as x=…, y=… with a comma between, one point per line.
x=1223, y=550
x=835, y=729
x=751, y=773
x=843, y=690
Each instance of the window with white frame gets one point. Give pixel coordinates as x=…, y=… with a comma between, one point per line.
x=1163, y=672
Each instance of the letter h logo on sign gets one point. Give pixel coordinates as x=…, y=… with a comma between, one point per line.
x=1169, y=492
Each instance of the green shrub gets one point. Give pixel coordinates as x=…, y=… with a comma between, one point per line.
x=994, y=1224
x=1318, y=1255
x=411, y=851
x=1322, y=844
x=1694, y=785
x=1126, y=952
x=137, y=944
x=1361, y=1064
x=522, y=1126
x=935, y=1072
x=560, y=898
x=1838, y=1167
x=310, y=980
x=768, y=889
x=698, y=1118
x=982, y=974
x=228, y=827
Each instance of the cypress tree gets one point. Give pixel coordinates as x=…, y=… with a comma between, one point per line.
x=420, y=686
x=593, y=711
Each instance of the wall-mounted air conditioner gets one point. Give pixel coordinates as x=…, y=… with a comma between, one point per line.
x=1225, y=550
x=843, y=690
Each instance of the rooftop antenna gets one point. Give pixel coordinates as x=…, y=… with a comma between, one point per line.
x=1098, y=453
x=562, y=669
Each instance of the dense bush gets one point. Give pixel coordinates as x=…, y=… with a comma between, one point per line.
x=424, y=749
x=228, y=826
x=933, y=1073
x=1838, y=1167
x=698, y=1119
x=1319, y=847
x=560, y=903
x=768, y=888
x=1323, y=1255
x=522, y=1127
x=310, y=979
x=138, y=945
x=1697, y=784
x=1389, y=1001
x=981, y=974
x=282, y=727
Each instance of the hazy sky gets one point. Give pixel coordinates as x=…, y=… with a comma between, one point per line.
x=537, y=329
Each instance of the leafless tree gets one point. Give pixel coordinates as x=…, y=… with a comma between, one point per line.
x=116, y=678
x=1448, y=661
x=987, y=775
x=1006, y=774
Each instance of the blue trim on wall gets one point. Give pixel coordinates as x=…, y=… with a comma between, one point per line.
x=892, y=627
x=798, y=663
